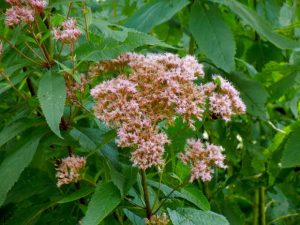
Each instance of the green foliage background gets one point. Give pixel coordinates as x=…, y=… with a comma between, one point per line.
x=254, y=44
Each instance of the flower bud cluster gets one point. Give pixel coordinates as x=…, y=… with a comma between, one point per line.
x=158, y=220
x=68, y=170
x=23, y=11
x=202, y=157
x=67, y=33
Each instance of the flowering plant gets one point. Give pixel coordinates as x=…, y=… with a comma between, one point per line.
x=147, y=113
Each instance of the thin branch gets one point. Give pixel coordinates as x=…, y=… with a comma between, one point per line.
x=169, y=195
x=69, y=9
x=284, y=217
x=84, y=11
x=34, y=52
x=19, y=52
x=256, y=207
x=30, y=86
x=12, y=85
x=39, y=45
x=44, y=48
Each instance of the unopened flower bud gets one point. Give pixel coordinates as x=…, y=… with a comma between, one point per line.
x=158, y=220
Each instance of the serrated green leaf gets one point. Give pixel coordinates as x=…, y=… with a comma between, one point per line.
x=279, y=88
x=76, y=195
x=83, y=139
x=193, y=196
x=11, y=131
x=104, y=200
x=155, y=13
x=12, y=167
x=213, y=36
x=125, y=178
x=253, y=93
x=291, y=152
x=135, y=219
x=29, y=215
x=14, y=80
x=259, y=24
x=52, y=96
x=109, y=30
x=189, y=216
x=104, y=49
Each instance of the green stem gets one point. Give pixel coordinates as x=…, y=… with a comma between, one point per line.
x=146, y=194
x=256, y=207
x=72, y=58
x=69, y=9
x=89, y=181
x=114, y=6
x=39, y=45
x=158, y=190
x=43, y=46
x=262, y=214
x=84, y=11
x=192, y=45
x=168, y=196
x=12, y=85
x=30, y=86
x=251, y=4
x=34, y=52
x=283, y=217
x=19, y=52
x=206, y=190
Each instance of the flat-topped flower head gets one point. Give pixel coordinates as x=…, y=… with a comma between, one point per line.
x=155, y=88
x=159, y=87
x=68, y=171
x=202, y=158
x=67, y=33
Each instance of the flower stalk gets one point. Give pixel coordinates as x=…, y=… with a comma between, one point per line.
x=146, y=194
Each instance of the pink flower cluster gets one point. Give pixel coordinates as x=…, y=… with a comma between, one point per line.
x=68, y=170
x=202, y=157
x=23, y=11
x=67, y=32
x=224, y=100
x=159, y=87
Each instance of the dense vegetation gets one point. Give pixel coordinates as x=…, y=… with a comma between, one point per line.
x=161, y=112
